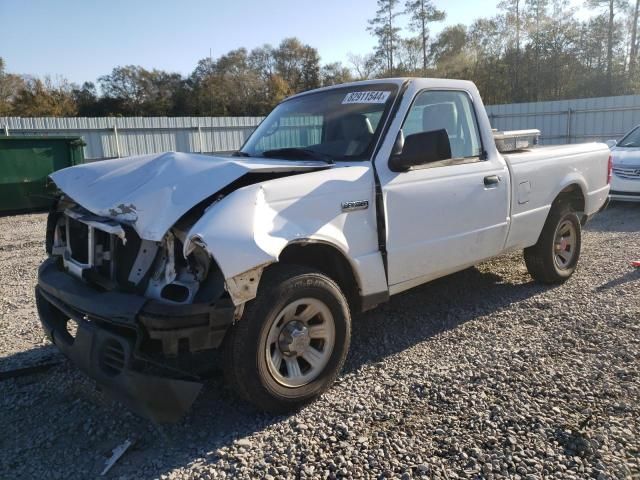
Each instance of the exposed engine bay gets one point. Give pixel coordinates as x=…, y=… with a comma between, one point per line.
x=112, y=256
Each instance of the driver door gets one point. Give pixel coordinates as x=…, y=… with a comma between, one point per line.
x=450, y=214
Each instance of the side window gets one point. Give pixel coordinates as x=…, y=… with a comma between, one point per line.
x=449, y=110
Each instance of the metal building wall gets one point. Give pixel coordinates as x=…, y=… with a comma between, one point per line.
x=110, y=137
x=571, y=121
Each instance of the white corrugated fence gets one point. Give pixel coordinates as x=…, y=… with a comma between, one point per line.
x=111, y=137
x=571, y=121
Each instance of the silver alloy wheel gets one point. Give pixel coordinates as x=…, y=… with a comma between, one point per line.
x=300, y=342
x=564, y=245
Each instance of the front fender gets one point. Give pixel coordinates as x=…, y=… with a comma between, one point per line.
x=228, y=228
x=247, y=230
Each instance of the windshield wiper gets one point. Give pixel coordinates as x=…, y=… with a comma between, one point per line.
x=240, y=153
x=297, y=152
x=630, y=144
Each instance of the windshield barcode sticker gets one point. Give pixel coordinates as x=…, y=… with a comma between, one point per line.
x=366, y=97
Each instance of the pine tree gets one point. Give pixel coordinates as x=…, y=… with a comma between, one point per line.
x=611, y=6
x=633, y=50
x=383, y=26
x=421, y=14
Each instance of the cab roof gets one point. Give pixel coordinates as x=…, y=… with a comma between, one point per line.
x=399, y=81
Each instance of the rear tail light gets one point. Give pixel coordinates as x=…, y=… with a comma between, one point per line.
x=609, y=169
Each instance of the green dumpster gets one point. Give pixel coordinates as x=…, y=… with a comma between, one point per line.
x=25, y=163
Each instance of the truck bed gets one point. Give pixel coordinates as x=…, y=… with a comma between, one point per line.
x=532, y=193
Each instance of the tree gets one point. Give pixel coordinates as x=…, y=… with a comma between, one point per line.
x=450, y=53
x=335, y=73
x=226, y=86
x=633, y=47
x=86, y=100
x=273, y=87
x=421, y=14
x=486, y=45
x=123, y=89
x=611, y=6
x=261, y=59
x=235, y=83
x=44, y=98
x=513, y=22
x=298, y=64
x=277, y=90
x=449, y=43
x=201, y=101
x=133, y=90
x=536, y=20
x=532, y=50
x=410, y=57
x=364, y=66
x=160, y=89
x=383, y=27
x=10, y=85
x=252, y=83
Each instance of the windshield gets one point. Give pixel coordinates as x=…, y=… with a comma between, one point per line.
x=332, y=125
x=632, y=139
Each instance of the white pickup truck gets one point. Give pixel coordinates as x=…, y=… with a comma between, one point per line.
x=342, y=197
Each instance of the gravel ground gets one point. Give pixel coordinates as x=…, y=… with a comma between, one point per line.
x=483, y=374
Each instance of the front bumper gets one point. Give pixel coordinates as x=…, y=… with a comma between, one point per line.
x=624, y=189
x=113, y=327
x=624, y=196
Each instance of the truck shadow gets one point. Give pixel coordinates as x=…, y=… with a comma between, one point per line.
x=428, y=310
x=617, y=217
x=218, y=418
x=408, y=319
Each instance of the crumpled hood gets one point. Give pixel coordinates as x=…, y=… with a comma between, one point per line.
x=151, y=192
x=626, y=157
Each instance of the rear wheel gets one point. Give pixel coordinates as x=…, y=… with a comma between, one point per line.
x=291, y=341
x=554, y=257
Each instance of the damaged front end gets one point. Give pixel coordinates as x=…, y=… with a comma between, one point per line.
x=146, y=317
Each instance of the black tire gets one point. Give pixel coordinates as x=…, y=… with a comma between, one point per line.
x=541, y=259
x=246, y=365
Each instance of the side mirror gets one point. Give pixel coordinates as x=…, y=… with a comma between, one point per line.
x=611, y=143
x=420, y=149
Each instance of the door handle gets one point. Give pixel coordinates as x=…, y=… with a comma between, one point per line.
x=491, y=180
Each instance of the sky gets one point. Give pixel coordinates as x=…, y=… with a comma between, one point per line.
x=83, y=39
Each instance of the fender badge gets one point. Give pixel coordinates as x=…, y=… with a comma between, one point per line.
x=354, y=205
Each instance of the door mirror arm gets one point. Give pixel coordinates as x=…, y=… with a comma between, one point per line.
x=398, y=145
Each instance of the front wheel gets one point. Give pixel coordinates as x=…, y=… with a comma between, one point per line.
x=291, y=341
x=554, y=257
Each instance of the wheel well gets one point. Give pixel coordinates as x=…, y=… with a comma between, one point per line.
x=330, y=261
x=571, y=195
